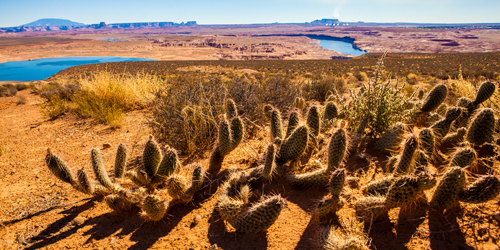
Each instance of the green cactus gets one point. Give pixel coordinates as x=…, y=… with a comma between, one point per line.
x=154, y=208
x=294, y=146
x=293, y=123
x=121, y=161
x=138, y=177
x=484, y=189
x=215, y=161
x=314, y=179
x=371, y=208
x=391, y=138
x=486, y=90
x=455, y=137
x=342, y=115
x=261, y=216
x=225, y=137
x=331, y=111
x=229, y=207
x=176, y=186
x=84, y=182
x=425, y=182
x=402, y=192
x=118, y=203
x=269, y=163
x=237, y=132
x=328, y=206
x=276, y=125
x=151, y=157
x=463, y=157
x=101, y=191
x=378, y=187
x=407, y=157
x=427, y=144
x=197, y=179
x=442, y=127
x=99, y=170
x=449, y=187
x=391, y=164
x=59, y=168
x=313, y=121
x=482, y=128
x=435, y=97
x=268, y=109
x=169, y=165
x=337, y=148
x=337, y=182
x=231, y=109
x=421, y=94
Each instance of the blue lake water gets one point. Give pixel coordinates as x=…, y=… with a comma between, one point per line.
x=39, y=69
x=340, y=46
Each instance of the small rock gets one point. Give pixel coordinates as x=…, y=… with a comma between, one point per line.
x=497, y=217
x=213, y=247
x=78, y=221
x=106, y=145
x=482, y=231
x=58, y=139
x=197, y=219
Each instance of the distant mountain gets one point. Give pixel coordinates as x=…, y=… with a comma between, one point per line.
x=52, y=22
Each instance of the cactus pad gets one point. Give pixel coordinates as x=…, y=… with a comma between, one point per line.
x=449, y=187
x=482, y=190
x=435, y=97
x=261, y=216
x=337, y=149
x=482, y=128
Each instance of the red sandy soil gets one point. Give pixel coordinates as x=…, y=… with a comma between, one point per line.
x=40, y=211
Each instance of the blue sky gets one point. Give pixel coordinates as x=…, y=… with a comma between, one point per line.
x=18, y=12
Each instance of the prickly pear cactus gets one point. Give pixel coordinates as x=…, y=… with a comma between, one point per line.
x=328, y=206
x=442, y=127
x=403, y=191
x=482, y=190
x=313, y=121
x=231, y=110
x=268, y=109
x=269, y=164
x=295, y=145
x=337, y=149
x=99, y=170
x=331, y=111
x=427, y=145
x=276, y=125
x=463, y=157
x=84, y=182
x=293, y=123
x=485, y=91
x=455, y=137
x=121, y=161
x=59, y=168
x=337, y=182
x=151, y=157
x=225, y=137
x=261, y=216
x=391, y=137
x=371, y=207
x=449, y=187
x=229, y=207
x=482, y=128
x=407, y=157
x=168, y=166
x=314, y=179
x=435, y=97
x=421, y=94
x=378, y=187
x=154, y=208
x=177, y=186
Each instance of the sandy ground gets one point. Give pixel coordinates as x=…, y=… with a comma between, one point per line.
x=40, y=211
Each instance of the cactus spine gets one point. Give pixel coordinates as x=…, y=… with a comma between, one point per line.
x=154, y=208
x=99, y=170
x=463, y=157
x=337, y=149
x=450, y=186
x=435, y=97
x=313, y=121
x=482, y=128
x=295, y=145
x=260, y=216
x=151, y=157
x=406, y=159
x=331, y=112
x=482, y=190
x=59, y=168
x=121, y=161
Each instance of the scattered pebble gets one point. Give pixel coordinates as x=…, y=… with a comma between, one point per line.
x=106, y=145
x=78, y=220
x=197, y=219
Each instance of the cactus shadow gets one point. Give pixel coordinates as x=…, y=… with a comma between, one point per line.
x=218, y=234
x=445, y=231
x=408, y=222
x=50, y=234
x=382, y=235
x=310, y=236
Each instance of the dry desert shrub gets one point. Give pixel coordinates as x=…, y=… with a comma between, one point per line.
x=317, y=89
x=187, y=110
x=467, y=88
x=8, y=90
